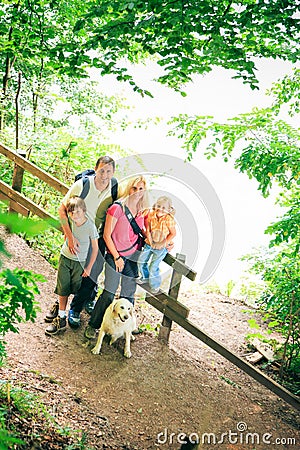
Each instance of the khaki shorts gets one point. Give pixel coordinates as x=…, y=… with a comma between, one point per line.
x=69, y=276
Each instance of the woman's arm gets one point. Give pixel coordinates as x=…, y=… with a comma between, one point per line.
x=169, y=239
x=73, y=243
x=146, y=231
x=167, y=242
x=171, y=235
x=109, y=227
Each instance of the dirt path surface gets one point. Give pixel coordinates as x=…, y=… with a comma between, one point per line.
x=147, y=401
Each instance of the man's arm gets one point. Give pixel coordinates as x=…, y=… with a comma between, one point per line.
x=73, y=243
x=88, y=268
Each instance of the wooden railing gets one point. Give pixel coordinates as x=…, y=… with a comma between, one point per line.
x=18, y=202
x=166, y=303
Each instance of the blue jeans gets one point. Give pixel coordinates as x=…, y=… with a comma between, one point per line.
x=148, y=265
x=111, y=284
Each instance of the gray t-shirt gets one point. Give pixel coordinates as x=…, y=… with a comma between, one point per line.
x=84, y=233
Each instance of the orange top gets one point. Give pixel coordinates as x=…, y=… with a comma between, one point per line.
x=158, y=227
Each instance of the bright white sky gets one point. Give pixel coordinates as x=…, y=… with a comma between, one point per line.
x=247, y=213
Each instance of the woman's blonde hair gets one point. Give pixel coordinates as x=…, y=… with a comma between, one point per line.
x=143, y=202
x=165, y=199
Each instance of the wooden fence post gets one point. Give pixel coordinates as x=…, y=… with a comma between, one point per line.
x=17, y=179
x=165, y=329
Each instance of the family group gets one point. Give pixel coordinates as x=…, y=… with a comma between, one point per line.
x=109, y=230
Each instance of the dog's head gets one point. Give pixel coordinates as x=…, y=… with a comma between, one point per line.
x=123, y=309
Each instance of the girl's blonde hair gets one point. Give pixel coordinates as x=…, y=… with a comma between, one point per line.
x=143, y=202
x=165, y=199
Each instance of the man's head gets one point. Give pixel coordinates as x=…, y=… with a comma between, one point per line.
x=105, y=168
x=103, y=160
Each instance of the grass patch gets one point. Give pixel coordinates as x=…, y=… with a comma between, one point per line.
x=25, y=423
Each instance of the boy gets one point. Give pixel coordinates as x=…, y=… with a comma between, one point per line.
x=72, y=266
x=97, y=200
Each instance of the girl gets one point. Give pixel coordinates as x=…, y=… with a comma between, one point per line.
x=160, y=230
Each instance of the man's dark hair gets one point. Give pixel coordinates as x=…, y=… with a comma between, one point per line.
x=106, y=160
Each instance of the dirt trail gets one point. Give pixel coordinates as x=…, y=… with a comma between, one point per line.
x=147, y=401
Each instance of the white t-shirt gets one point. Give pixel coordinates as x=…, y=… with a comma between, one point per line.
x=96, y=202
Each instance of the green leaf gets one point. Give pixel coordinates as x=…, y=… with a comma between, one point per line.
x=253, y=324
x=31, y=227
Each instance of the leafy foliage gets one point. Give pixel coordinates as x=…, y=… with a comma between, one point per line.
x=31, y=227
x=287, y=229
x=266, y=148
x=17, y=291
x=188, y=37
x=24, y=421
x=280, y=270
x=270, y=150
x=18, y=287
x=31, y=424
x=45, y=37
x=7, y=440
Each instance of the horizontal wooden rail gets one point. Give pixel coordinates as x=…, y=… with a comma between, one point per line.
x=15, y=206
x=180, y=267
x=219, y=348
x=32, y=168
x=168, y=302
x=25, y=202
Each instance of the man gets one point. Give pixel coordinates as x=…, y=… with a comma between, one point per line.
x=99, y=196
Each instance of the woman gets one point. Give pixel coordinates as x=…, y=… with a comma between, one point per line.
x=123, y=248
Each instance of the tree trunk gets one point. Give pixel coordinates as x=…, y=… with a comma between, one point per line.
x=17, y=108
x=18, y=173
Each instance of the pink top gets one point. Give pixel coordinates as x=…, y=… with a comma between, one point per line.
x=123, y=234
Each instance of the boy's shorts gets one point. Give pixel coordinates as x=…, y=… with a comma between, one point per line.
x=69, y=276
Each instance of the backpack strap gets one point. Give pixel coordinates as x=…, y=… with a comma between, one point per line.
x=85, y=173
x=129, y=248
x=114, y=189
x=131, y=219
x=85, y=187
x=136, y=229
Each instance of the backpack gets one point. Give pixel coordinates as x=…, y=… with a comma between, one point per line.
x=86, y=184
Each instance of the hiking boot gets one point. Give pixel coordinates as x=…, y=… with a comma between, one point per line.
x=52, y=313
x=58, y=325
x=74, y=319
x=89, y=306
x=90, y=332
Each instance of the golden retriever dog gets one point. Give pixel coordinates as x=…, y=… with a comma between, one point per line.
x=119, y=321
